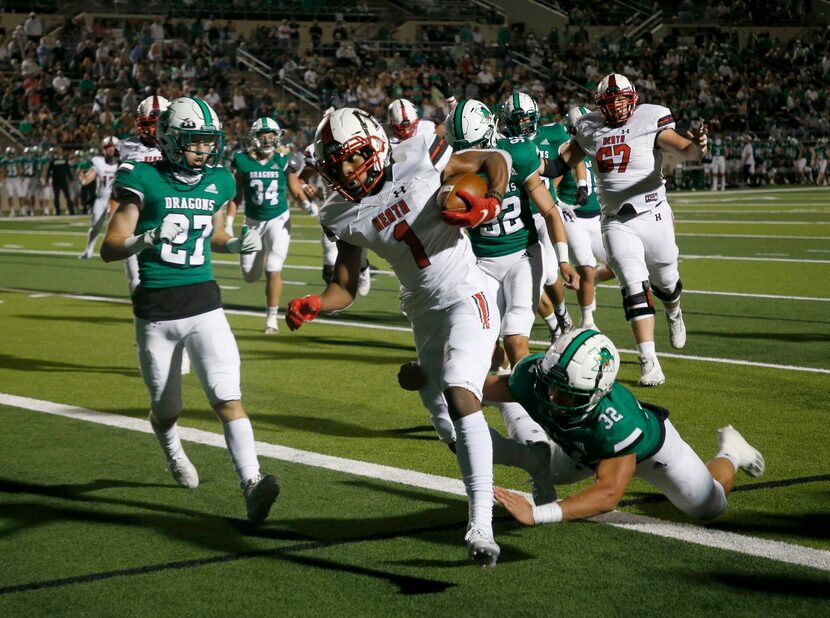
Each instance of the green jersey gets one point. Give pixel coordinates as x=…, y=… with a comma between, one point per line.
x=717, y=148
x=617, y=426
x=166, y=197
x=549, y=138
x=30, y=167
x=514, y=229
x=264, y=182
x=10, y=165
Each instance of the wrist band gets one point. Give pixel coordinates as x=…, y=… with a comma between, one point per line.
x=561, y=249
x=547, y=513
x=582, y=183
x=136, y=244
x=495, y=194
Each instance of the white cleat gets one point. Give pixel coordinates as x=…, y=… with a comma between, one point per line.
x=749, y=458
x=85, y=256
x=541, y=482
x=651, y=374
x=183, y=471
x=272, y=327
x=364, y=281
x=482, y=548
x=260, y=494
x=677, y=331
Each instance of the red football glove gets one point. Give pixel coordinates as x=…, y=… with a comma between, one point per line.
x=302, y=310
x=481, y=209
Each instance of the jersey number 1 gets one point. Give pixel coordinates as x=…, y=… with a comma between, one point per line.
x=606, y=158
x=404, y=233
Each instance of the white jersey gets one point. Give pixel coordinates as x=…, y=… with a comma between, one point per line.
x=627, y=163
x=105, y=173
x=402, y=223
x=133, y=149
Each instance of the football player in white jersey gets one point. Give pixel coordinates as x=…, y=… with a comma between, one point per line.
x=387, y=201
x=404, y=122
x=625, y=142
x=102, y=172
x=143, y=147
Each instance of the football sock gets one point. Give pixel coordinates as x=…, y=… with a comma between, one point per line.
x=733, y=460
x=518, y=423
x=474, y=450
x=552, y=322
x=561, y=309
x=588, y=313
x=273, y=312
x=169, y=440
x=239, y=436
x=646, y=348
x=673, y=313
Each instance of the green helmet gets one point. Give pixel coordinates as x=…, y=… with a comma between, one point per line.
x=519, y=115
x=186, y=121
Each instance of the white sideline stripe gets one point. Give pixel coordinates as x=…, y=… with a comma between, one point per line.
x=42, y=233
x=735, y=192
x=741, y=222
x=762, y=548
x=738, y=294
x=405, y=329
x=799, y=211
x=769, y=236
x=20, y=250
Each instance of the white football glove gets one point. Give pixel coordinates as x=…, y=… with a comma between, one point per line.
x=567, y=211
x=311, y=208
x=164, y=233
x=249, y=242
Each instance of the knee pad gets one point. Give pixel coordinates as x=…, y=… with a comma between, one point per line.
x=637, y=301
x=669, y=297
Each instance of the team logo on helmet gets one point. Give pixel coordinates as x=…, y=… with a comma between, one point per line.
x=470, y=125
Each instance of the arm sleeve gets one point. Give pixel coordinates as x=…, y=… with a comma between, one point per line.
x=555, y=167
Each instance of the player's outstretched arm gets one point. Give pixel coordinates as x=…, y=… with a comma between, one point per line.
x=540, y=195
x=612, y=478
x=338, y=295
x=691, y=149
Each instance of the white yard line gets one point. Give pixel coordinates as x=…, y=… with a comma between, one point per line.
x=743, y=222
x=407, y=329
x=707, y=537
x=767, y=236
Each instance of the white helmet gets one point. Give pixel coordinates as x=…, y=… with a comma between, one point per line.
x=346, y=132
x=264, y=125
x=519, y=115
x=146, y=117
x=616, y=99
x=403, y=118
x=184, y=119
x=581, y=366
x=574, y=114
x=110, y=140
x=471, y=124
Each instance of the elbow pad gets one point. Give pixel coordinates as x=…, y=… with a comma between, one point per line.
x=555, y=168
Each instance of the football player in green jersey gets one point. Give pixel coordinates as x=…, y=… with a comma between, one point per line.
x=507, y=247
x=263, y=174
x=169, y=213
x=600, y=429
x=820, y=161
x=519, y=116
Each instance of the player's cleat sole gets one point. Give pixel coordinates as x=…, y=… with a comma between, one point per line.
x=183, y=472
x=482, y=548
x=651, y=374
x=677, y=332
x=749, y=458
x=260, y=494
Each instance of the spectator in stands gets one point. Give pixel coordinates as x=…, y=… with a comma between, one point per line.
x=33, y=27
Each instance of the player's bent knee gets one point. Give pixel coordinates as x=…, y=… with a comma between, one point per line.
x=714, y=505
x=167, y=409
x=637, y=301
x=670, y=296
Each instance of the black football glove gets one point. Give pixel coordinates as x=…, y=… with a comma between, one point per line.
x=443, y=85
x=581, y=196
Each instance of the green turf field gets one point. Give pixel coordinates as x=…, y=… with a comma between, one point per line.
x=92, y=524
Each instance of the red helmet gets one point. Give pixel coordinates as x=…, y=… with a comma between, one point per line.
x=147, y=115
x=616, y=99
x=342, y=134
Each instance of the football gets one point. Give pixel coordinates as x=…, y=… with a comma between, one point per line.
x=472, y=183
